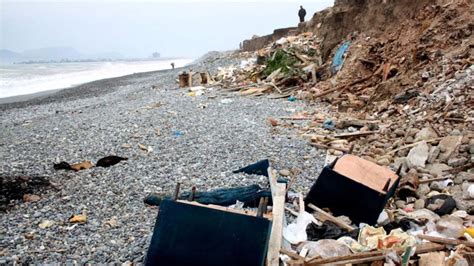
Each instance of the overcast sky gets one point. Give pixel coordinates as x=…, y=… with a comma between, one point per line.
x=138, y=28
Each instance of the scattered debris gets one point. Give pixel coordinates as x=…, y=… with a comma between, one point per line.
x=46, y=224
x=78, y=218
x=110, y=161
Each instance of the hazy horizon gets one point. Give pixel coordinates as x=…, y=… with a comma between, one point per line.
x=137, y=29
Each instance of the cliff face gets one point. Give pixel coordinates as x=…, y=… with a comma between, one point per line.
x=345, y=17
x=372, y=17
x=260, y=42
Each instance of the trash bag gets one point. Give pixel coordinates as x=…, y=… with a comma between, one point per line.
x=258, y=168
x=110, y=160
x=62, y=166
x=450, y=226
x=296, y=232
x=328, y=230
x=405, y=224
x=441, y=204
x=338, y=58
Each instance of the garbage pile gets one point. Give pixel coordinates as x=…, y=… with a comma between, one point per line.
x=398, y=187
x=287, y=65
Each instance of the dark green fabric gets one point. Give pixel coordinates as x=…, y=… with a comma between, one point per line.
x=192, y=235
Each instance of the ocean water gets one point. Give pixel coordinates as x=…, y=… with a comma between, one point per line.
x=21, y=79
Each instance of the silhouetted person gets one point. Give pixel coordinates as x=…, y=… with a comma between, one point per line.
x=302, y=13
x=172, y=65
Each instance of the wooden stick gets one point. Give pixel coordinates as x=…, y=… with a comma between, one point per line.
x=301, y=202
x=294, y=118
x=446, y=241
x=355, y=134
x=413, y=145
x=278, y=196
x=460, y=168
x=322, y=146
x=260, y=208
x=176, y=191
x=372, y=256
x=322, y=215
x=274, y=86
x=292, y=211
x=291, y=254
x=433, y=179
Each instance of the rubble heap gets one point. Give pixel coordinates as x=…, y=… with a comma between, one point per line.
x=400, y=96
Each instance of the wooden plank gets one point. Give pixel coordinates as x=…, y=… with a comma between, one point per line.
x=372, y=255
x=413, y=145
x=278, y=196
x=322, y=215
x=447, y=241
x=222, y=208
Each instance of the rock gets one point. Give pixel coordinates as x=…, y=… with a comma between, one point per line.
x=400, y=204
x=447, y=146
x=455, y=132
x=459, y=194
x=31, y=198
x=273, y=122
x=436, y=186
x=383, y=162
x=455, y=162
x=412, y=132
x=419, y=204
x=418, y=155
x=434, y=153
x=422, y=190
x=399, y=132
x=470, y=192
x=46, y=224
x=437, y=169
x=426, y=133
x=425, y=76
x=462, y=176
x=471, y=146
x=285, y=172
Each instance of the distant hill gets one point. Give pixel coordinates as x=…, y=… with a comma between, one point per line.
x=52, y=54
x=7, y=56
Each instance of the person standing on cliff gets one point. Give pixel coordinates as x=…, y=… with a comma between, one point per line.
x=302, y=13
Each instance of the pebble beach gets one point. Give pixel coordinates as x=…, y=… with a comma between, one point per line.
x=167, y=136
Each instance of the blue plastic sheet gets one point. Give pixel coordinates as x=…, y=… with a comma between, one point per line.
x=338, y=59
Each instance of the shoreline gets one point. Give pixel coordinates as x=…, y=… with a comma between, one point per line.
x=76, y=91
